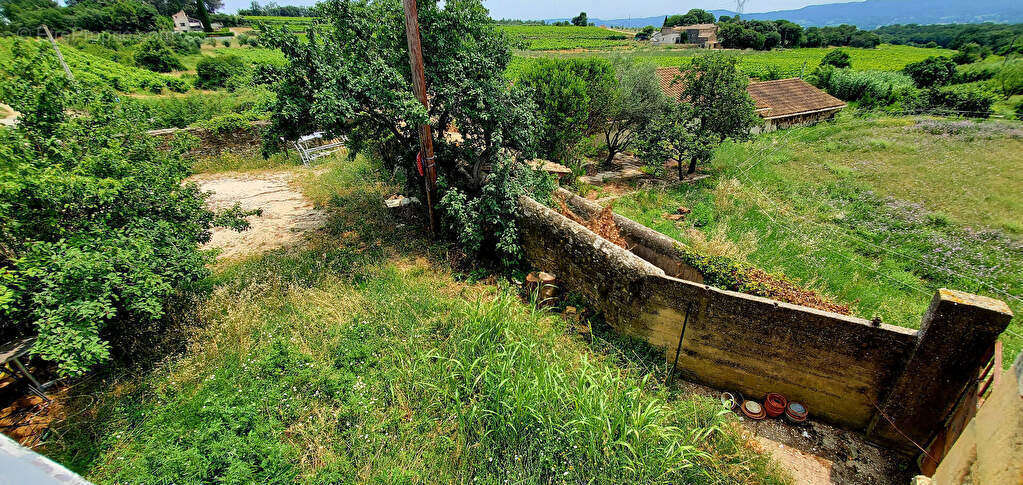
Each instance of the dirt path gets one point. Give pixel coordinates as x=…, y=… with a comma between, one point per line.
x=287, y=215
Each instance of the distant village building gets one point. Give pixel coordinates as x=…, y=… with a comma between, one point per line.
x=702, y=35
x=781, y=104
x=184, y=23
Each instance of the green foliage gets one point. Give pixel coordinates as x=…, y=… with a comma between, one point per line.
x=94, y=72
x=931, y=72
x=101, y=235
x=714, y=106
x=122, y=16
x=966, y=100
x=486, y=221
x=996, y=37
x=646, y=33
x=882, y=88
x=214, y=72
x=352, y=77
x=549, y=37
x=156, y=56
x=580, y=20
x=837, y=58
x=226, y=123
x=970, y=53
x=569, y=96
x=1019, y=112
x=694, y=16
x=184, y=110
x=1009, y=80
x=635, y=101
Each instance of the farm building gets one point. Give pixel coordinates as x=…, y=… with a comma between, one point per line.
x=703, y=35
x=184, y=23
x=781, y=103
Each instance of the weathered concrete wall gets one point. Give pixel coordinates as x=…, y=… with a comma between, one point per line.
x=990, y=449
x=247, y=141
x=841, y=367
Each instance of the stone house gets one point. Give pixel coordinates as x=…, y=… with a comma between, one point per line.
x=184, y=23
x=781, y=103
x=702, y=35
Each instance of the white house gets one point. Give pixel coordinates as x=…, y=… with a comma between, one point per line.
x=184, y=23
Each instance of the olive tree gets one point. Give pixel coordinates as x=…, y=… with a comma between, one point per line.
x=635, y=100
x=713, y=106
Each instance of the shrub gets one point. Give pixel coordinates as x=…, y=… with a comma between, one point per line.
x=227, y=42
x=1009, y=79
x=226, y=123
x=489, y=219
x=967, y=100
x=881, y=87
x=193, y=108
x=931, y=72
x=100, y=233
x=837, y=58
x=214, y=72
x=156, y=56
x=976, y=72
x=1019, y=111
x=564, y=91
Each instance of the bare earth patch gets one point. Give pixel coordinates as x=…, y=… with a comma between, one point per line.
x=287, y=214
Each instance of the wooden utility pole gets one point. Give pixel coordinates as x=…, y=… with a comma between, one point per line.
x=60, y=57
x=415, y=57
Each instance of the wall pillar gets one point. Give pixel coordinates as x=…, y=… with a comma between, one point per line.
x=957, y=331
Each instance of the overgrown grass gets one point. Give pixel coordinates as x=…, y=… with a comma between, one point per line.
x=231, y=162
x=877, y=213
x=361, y=359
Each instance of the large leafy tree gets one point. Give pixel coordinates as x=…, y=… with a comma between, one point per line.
x=571, y=97
x=633, y=103
x=352, y=79
x=931, y=72
x=98, y=232
x=714, y=106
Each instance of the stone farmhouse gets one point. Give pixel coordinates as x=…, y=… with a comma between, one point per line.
x=781, y=103
x=702, y=35
x=184, y=23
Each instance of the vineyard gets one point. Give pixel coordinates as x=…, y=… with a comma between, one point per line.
x=548, y=37
x=780, y=62
x=295, y=24
x=98, y=72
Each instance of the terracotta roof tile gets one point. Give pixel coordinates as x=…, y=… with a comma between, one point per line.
x=773, y=99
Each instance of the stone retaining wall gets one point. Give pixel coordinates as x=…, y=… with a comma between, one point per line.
x=247, y=141
x=843, y=368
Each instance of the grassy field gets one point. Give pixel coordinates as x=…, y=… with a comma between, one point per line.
x=877, y=213
x=789, y=62
x=362, y=359
x=550, y=38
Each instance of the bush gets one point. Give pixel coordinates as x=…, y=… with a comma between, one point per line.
x=193, y=108
x=837, y=58
x=1019, y=111
x=879, y=87
x=1009, y=80
x=156, y=56
x=970, y=53
x=966, y=100
x=100, y=233
x=931, y=72
x=565, y=92
x=227, y=123
x=214, y=72
x=976, y=72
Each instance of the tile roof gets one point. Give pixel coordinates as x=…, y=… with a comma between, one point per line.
x=773, y=99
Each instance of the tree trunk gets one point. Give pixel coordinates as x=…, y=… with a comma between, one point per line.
x=681, y=175
x=692, y=165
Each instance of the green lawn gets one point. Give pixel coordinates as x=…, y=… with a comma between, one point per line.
x=362, y=359
x=877, y=213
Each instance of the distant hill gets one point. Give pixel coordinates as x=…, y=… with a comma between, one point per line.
x=870, y=14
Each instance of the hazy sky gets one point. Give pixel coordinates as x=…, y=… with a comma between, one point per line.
x=605, y=9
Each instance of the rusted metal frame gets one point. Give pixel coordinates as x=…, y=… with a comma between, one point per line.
x=681, y=336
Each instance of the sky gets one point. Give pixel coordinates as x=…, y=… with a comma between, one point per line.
x=603, y=9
